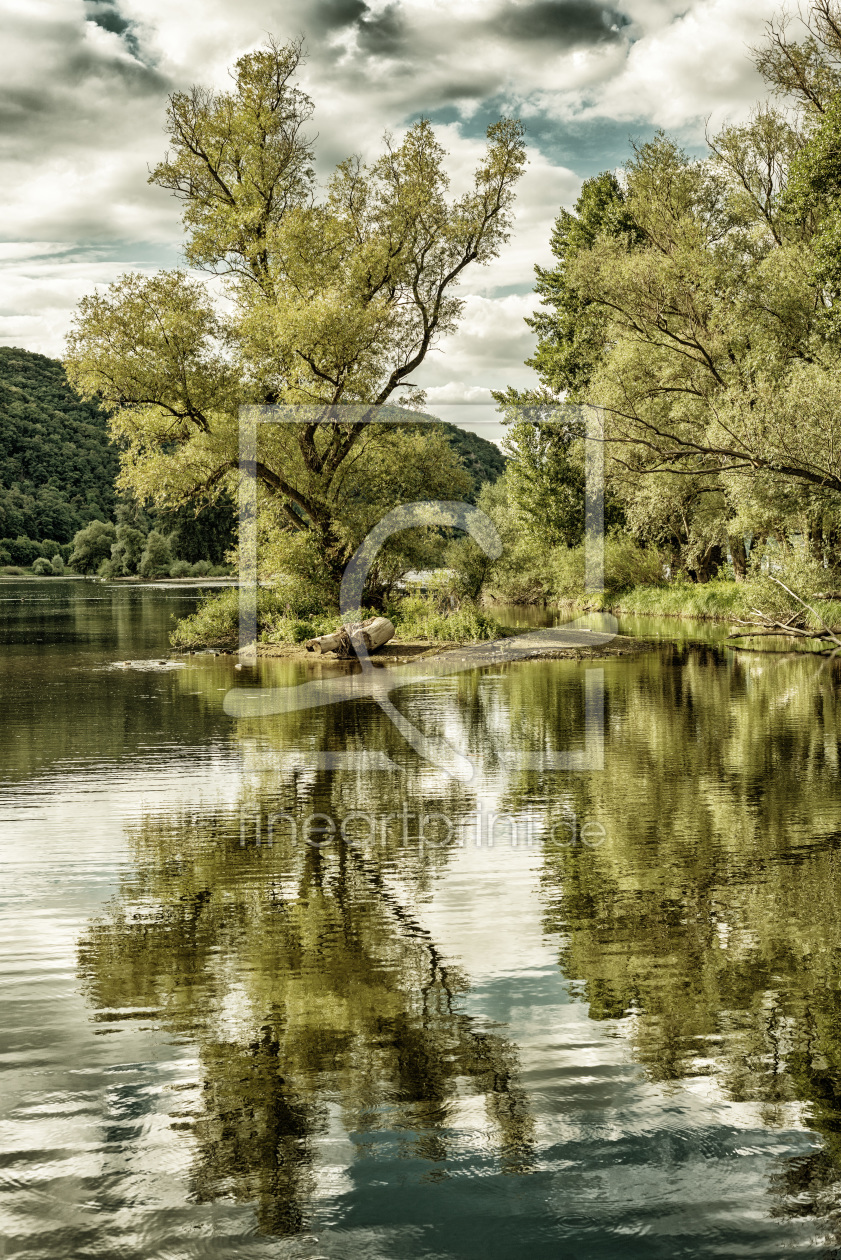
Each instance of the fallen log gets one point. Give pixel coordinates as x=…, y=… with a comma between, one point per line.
x=369, y=635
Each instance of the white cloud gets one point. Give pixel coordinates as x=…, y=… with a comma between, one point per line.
x=82, y=114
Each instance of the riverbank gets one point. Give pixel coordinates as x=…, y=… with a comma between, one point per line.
x=719, y=600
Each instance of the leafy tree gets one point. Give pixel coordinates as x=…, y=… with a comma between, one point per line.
x=128, y=549
x=546, y=483
x=696, y=302
x=91, y=546
x=332, y=301
x=157, y=556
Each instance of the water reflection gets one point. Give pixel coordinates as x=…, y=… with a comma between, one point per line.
x=711, y=916
x=369, y=1038
x=307, y=983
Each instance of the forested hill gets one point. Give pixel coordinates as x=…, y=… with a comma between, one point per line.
x=484, y=460
x=57, y=466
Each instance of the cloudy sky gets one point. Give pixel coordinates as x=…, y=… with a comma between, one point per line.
x=84, y=87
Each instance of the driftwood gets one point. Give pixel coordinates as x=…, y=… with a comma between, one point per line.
x=370, y=635
x=792, y=627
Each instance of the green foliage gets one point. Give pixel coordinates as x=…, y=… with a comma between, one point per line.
x=157, y=556
x=57, y=465
x=330, y=301
x=42, y=568
x=91, y=546
x=215, y=623
x=181, y=568
x=571, y=331
x=420, y=617
x=483, y=460
x=716, y=600
x=57, y=565
x=128, y=549
x=284, y=618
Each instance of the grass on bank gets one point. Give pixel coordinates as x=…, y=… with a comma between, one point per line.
x=719, y=600
x=215, y=623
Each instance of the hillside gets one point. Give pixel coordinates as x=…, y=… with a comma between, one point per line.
x=484, y=460
x=57, y=466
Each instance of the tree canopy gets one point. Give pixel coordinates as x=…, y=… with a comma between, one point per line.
x=334, y=297
x=695, y=300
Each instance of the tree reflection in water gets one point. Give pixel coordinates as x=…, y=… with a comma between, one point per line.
x=308, y=984
x=710, y=920
x=708, y=923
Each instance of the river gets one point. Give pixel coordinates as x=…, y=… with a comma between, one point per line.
x=282, y=987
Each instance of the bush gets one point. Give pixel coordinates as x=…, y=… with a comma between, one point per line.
x=107, y=570
x=215, y=623
x=201, y=568
x=219, y=570
x=627, y=564
x=42, y=568
x=23, y=551
x=13, y=570
x=181, y=568
x=57, y=565
x=418, y=617
x=799, y=570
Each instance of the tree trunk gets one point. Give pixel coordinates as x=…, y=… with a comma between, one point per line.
x=739, y=554
x=815, y=538
x=710, y=563
x=371, y=635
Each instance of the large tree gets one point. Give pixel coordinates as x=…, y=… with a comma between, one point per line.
x=332, y=299
x=706, y=325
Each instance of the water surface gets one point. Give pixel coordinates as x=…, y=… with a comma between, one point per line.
x=533, y=1014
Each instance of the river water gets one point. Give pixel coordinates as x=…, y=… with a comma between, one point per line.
x=281, y=987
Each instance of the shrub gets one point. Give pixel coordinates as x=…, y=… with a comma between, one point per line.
x=180, y=569
x=107, y=570
x=57, y=565
x=215, y=623
x=201, y=568
x=42, y=568
x=627, y=564
x=218, y=570
x=418, y=617
x=801, y=572
x=24, y=551
x=13, y=570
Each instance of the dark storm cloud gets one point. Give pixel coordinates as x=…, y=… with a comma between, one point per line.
x=567, y=23
x=383, y=34
x=330, y=15
x=388, y=32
